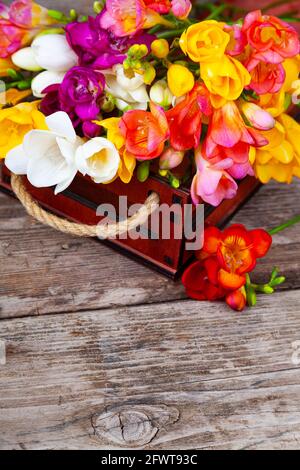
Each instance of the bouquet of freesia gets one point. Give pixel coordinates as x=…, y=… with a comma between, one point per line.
x=142, y=86
x=146, y=87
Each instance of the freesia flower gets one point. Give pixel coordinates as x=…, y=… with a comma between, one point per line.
x=292, y=73
x=223, y=263
x=127, y=160
x=201, y=284
x=238, y=40
x=181, y=8
x=280, y=159
x=47, y=157
x=229, y=140
x=271, y=38
x=237, y=300
x=129, y=92
x=25, y=59
x=127, y=17
x=205, y=42
x=185, y=119
x=79, y=96
x=273, y=103
x=99, y=47
x=256, y=116
x=99, y=159
x=12, y=97
x=161, y=95
x=180, y=80
x=16, y=122
x=265, y=77
x=52, y=52
x=225, y=79
x=19, y=24
x=145, y=133
x=171, y=159
x=44, y=80
x=211, y=184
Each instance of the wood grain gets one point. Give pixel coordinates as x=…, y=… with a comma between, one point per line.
x=48, y=272
x=177, y=376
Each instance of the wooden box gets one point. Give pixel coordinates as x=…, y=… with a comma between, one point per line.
x=80, y=201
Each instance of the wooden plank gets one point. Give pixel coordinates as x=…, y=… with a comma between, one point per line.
x=48, y=272
x=178, y=376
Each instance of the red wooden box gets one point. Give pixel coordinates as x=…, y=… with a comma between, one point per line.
x=79, y=203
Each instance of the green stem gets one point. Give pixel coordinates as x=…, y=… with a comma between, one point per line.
x=216, y=12
x=170, y=34
x=289, y=223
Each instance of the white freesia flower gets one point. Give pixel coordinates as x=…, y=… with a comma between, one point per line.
x=128, y=92
x=43, y=80
x=48, y=157
x=53, y=52
x=161, y=94
x=25, y=59
x=99, y=159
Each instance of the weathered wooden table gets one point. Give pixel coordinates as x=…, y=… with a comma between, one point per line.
x=102, y=353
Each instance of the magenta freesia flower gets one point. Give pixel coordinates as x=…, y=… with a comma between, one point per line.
x=79, y=96
x=99, y=47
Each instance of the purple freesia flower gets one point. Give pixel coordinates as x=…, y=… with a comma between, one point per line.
x=79, y=96
x=98, y=47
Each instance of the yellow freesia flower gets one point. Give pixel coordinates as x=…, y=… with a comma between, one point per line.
x=16, y=122
x=128, y=161
x=280, y=159
x=292, y=70
x=205, y=41
x=274, y=103
x=12, y=97
x=225, y=80
x=180, y=80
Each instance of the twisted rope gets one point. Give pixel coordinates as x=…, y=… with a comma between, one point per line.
x=82, y=230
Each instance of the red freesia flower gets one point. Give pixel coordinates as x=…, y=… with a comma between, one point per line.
x=236, y=251
x=273, y=39
x=160, y=6
x=201, y=282
x=185, y=119
x=223, y=262
x=145, y=133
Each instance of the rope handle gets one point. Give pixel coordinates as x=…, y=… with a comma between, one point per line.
x=82, y=230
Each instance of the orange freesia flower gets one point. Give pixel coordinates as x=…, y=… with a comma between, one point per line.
x=145, y=133
x=234, y=253
x=12, y=97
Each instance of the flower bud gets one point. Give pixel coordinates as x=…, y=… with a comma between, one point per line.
x=160, y=94
x=149, y=74
x=170, y=159
x=160, y=48
x=258, y=117
x=237, y=300
x=52, y=52
x=180, y=80
x=143, y=171
x=25, y=59
x=43, y=81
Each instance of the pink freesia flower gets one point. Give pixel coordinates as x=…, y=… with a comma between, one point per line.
x=181, y=8
x=265, y=77
x=271, y=38
x=238, y=40
x=19, y=24
x=127, y=17
x=211, y=184
x=229, y=140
